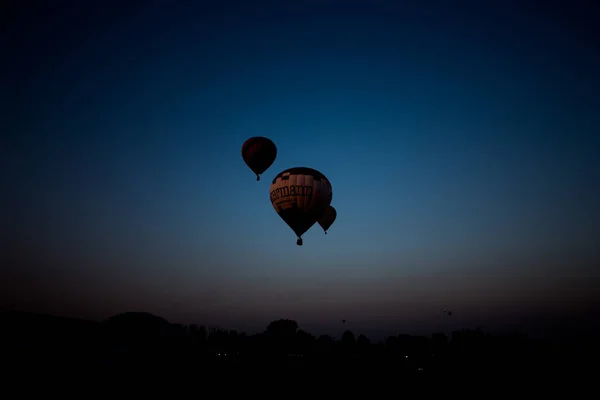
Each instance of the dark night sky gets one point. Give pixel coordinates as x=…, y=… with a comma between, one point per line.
x=461, y=140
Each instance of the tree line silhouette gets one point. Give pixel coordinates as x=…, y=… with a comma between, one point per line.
x=143, y=340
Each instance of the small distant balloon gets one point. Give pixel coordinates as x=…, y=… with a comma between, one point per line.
x=259, y=153
x=300, y=196
x=447, y=312
x=343, y=321
x=328, y=218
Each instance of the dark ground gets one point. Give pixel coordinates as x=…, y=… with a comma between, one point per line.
x=141, y=345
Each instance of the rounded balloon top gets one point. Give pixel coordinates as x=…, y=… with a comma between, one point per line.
x=259, y=153
x=317, y=175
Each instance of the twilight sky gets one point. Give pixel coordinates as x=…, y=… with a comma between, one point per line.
x=461, y=140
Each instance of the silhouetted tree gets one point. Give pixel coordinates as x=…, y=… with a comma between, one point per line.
x=304, y=342
x=282, y=328
x=217, y=341
x=325, y=345
x=363, y=344
x=281, y=336
x=348, y=338
x=439, y=343
x=347, y=343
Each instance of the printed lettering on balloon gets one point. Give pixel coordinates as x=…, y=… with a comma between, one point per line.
x=291, y=190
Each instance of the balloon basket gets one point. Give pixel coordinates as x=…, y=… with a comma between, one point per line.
x=299, y=242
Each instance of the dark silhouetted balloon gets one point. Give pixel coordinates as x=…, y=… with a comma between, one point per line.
x=300, y=196
x=328, y=218
x=259, y=153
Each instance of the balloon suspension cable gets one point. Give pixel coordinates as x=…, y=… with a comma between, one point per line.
x=299, y=241
x=257, y=177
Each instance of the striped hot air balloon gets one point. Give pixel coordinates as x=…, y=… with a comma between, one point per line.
x=300, y=196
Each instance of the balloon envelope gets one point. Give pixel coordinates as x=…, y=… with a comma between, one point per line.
x=328, y=218
x=300, y=196
x=259, y=153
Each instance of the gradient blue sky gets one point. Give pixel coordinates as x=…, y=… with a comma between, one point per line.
x=460, y=138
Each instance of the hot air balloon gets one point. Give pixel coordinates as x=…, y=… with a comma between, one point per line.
x=300, y=196
x=328, y=218
x=259, y=153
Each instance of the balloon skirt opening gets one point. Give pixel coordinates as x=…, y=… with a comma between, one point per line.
x=299, y=242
